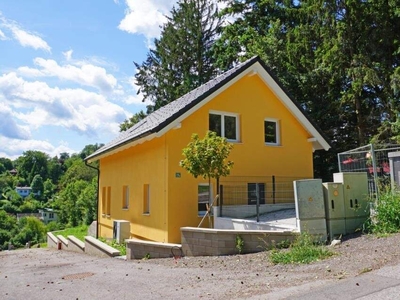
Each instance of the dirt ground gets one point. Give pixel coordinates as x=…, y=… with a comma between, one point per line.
x=53, y=274
x=357, y=254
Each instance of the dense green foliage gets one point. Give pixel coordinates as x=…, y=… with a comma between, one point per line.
x=182, y=57
x=386, y=216
x=62, y=183
x=207, y=157
x=304, y=250
x=340, y=60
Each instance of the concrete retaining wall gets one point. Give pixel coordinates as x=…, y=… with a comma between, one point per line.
x=75, y=244
x=63, y=241
x=138, y=249
x=211, y=242
x=96, y=247
x=52, y=241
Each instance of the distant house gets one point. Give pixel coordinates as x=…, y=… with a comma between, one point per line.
x=24, y=215
x=47, y=215
x=24, y=191
x=141, y=181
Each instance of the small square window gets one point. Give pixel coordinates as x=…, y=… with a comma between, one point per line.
x=271, y=132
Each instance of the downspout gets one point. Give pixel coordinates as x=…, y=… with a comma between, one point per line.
x=97, y=197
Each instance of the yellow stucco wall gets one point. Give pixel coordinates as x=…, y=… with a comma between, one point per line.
x=156, y=162
x=143, y=164
x=254, y=102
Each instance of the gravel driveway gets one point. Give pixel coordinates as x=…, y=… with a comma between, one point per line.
x=53, y=274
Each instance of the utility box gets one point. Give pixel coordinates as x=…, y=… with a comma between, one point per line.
x=394, y=165
x=121, y=231
x=356, y=199
x=334, y=209
x=310, y=207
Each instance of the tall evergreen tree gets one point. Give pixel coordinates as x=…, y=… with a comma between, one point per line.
x=337, y=57
x=182, y=58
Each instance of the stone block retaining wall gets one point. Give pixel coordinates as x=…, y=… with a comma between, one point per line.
x=212, y=242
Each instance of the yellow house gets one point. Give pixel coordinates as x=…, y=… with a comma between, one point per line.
x=140, y=177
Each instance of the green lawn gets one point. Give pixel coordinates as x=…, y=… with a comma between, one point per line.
x=79, y=232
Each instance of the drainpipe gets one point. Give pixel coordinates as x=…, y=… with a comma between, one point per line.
x=97, y=197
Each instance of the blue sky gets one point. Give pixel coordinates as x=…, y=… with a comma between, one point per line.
x=66, y=70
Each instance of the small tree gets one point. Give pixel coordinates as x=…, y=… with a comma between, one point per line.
x=208, y=157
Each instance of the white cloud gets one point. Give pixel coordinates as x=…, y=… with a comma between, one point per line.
x=85, y=74
x=85, y=112
x=68, y=54
x=2, y=36
x=145, y=16
x=9, y=128
x=13, y=149
x=25, y=38
x=134, y=98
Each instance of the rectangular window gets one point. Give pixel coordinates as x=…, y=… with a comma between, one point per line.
x=225, y=125
x=203, y=198
x=146, y=199
x=108, y=208
x=104, y=200
x=125, y=197
x=271, y=132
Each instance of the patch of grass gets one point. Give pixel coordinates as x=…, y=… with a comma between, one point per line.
x=79, y=232
x=302, y=251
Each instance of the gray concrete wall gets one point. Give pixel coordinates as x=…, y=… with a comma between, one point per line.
x=75, y=244
x=52, y=241
x=98, y=248
x=137, y=249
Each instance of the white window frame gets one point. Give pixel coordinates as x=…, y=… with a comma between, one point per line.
x=222, y=114
x=277, y=131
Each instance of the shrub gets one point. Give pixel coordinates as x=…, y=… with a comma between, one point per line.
x=386, y=218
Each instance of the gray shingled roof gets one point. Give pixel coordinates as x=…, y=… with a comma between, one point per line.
x=168, y=113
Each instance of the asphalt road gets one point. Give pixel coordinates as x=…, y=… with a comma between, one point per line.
x=52, y=274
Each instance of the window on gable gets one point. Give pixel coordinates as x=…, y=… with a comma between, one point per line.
x=271, y=132
x=225, y=125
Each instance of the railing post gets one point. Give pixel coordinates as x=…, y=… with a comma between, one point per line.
x=258, y=201
x=221, y=199
x=375, y=171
